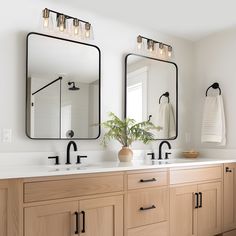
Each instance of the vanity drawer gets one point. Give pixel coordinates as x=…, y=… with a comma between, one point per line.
x=151, y=230
x=189, y=175
x=56, y=189
x=150, y=179
x=147, y=207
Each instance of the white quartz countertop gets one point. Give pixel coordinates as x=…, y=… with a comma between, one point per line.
x=29, y=171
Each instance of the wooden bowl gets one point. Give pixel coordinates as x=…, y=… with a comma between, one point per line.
x=190, y=154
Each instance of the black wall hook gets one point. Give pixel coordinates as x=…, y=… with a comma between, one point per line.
x=167, y=95
x=214, y=86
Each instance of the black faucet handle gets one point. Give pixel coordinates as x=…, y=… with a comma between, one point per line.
x=152, y=154
x=56, y=159
x=167, y=155
x=79, y=159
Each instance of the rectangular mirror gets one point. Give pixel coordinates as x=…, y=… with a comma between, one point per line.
x=151, y=93
x=63, y=88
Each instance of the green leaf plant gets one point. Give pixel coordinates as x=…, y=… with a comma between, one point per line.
x=127, y=131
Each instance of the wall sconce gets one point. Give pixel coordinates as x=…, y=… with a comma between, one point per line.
x=67, y=24
x=162, y=48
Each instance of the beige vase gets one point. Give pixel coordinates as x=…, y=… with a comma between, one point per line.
x=125, y=154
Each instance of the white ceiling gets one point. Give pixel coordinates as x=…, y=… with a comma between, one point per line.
x=190, y=19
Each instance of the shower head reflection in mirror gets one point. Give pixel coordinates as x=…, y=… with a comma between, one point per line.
x=58, y=103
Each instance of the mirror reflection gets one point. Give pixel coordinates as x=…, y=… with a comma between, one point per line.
x=151, y=93
x=63, y=89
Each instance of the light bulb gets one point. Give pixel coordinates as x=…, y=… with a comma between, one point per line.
x=170, y=51
x=46, y=14
x=76, y=26
x=161, y=48
x=61, y=23
x=139, y=42
x=150, y=46
x=87, y=30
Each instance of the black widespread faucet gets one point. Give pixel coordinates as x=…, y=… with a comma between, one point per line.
x=68, y=151
x=160, y=150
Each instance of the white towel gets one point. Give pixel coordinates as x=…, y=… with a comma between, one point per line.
x=166, y=120
x=213, y=124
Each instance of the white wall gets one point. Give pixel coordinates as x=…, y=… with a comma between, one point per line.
x=215, y=62
x=115, y=40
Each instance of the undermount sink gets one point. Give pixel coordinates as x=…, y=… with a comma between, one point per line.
x=70, y=167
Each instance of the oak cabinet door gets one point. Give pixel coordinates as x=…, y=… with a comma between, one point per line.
x=229, y=197
x=102, y=216
x=3, y=207
x=183, y=215
x=210, y=209
x=51, y=220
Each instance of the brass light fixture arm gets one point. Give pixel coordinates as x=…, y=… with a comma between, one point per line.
x=67, y=16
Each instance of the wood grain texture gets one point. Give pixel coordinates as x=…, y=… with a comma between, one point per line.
x=134, y=180
x=182, y=176
x=183, y=215
x=146, y=198
x=49, y=190
x=229, y=220
x=210, y=215
x=103, y=216
x=230, y=233
x=161, y=229
x=3, y=207
x=51, y=220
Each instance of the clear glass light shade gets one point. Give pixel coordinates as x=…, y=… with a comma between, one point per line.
x=47, y=21
x=88, y=32
x=161, y=49
x=62, y=24
x=169, y=51
x=76, y=29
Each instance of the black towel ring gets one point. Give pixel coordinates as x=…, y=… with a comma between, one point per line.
x=167, y=95
x=214, y=86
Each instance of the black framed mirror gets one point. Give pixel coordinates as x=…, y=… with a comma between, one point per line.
x=63, y=88
x=151, y=93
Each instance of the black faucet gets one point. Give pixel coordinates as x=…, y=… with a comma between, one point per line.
x=160, y=150
x=68, y=151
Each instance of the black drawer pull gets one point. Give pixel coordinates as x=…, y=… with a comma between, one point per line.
x=77, y=223
x=83, y=214
x=227, y=169
x=196, y=200
x=147, y=208
x=200, y=196
x=147, y=180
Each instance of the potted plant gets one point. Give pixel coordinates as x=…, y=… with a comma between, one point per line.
x=126, y=132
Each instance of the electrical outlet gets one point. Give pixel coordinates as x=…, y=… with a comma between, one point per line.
x=6, y=135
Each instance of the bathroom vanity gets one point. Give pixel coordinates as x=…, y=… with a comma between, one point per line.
x=132, y=200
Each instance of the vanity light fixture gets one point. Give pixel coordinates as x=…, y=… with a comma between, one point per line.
x=67, y=24
x=162, y=48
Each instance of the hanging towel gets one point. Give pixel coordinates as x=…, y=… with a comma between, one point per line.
x=166, y=120
x=213, y=124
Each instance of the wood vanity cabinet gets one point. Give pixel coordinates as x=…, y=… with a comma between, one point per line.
x=147, y=205
x=100, y=216
x=196, y=208
x=90, y=205
x=229, y=197
x=168, y=202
